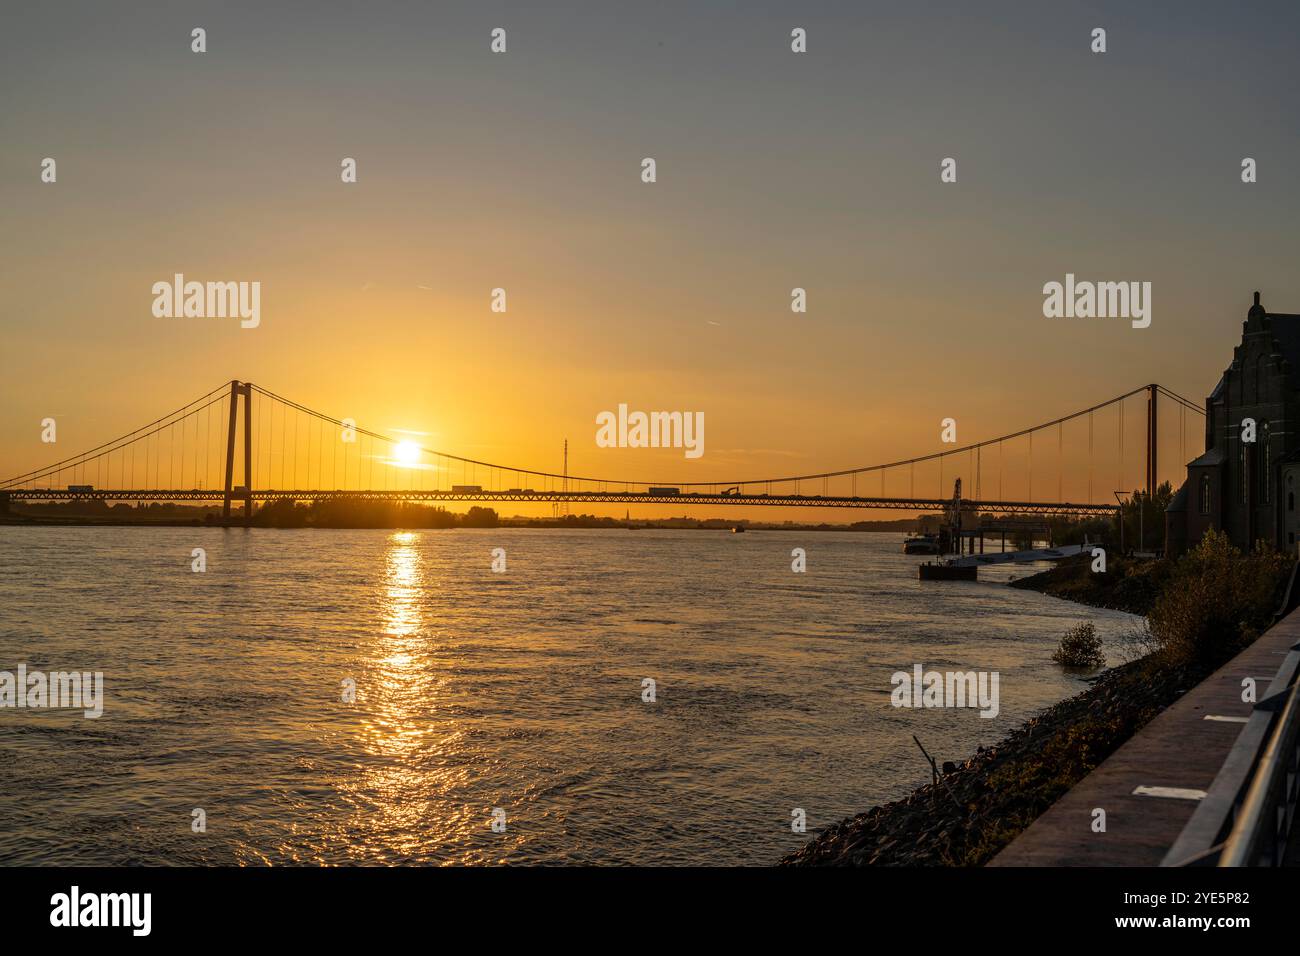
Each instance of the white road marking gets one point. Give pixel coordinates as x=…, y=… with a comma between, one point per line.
x=1176, y=793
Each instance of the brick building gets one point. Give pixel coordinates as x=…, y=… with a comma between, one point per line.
x=1248, y=488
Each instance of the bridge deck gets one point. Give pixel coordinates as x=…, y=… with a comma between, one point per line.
x=1180, y=749
x=684, y=498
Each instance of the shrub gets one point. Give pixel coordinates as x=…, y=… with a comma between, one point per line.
x=1080, y=647
x=1218, y=601
x=1135, y=641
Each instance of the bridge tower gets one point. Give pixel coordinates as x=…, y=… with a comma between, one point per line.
x=237, y=389
x=1152, y=473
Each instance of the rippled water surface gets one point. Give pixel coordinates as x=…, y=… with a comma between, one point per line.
x=478, y=690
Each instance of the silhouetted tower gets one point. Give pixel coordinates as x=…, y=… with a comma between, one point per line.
x=237, y=389
x=1152, y=478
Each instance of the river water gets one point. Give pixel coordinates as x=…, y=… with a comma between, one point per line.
x=477, y=691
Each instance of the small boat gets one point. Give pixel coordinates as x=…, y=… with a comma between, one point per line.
x=738, y=529
x=921, y=544
x=930, y=571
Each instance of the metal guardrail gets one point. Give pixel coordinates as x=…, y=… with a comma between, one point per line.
x=1259, y=837
x=1246, y=816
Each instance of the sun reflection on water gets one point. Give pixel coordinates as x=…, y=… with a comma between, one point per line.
x=401, y=790
x=403, y=689
x=403, y=576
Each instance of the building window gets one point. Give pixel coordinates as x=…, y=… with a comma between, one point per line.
x=1241, y=470
x=1266, y=472
x=1207, y=499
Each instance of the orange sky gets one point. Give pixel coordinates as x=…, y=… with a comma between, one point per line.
x=522, y=171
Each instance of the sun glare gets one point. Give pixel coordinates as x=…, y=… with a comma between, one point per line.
x=406, y=452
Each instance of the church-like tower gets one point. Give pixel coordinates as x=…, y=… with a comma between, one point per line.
x=1245, y=482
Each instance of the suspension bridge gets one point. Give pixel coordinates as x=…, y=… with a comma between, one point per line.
x=282, y=451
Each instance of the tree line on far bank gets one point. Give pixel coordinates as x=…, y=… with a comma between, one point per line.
x=368, y=514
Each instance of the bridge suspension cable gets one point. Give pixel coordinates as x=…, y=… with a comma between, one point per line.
x=191, y=458
x=143, y=433
x=865, y=469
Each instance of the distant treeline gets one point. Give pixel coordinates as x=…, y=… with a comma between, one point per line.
x=1143, y=518
x=368, y=514
x=390, y=514
x=276, y=514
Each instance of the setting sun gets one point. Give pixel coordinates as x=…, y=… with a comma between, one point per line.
x=406, y=452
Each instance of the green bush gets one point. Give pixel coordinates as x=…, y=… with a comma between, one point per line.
x=1218, y=600
x=1080, y=647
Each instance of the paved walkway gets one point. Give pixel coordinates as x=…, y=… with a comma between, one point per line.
x=1149, y=786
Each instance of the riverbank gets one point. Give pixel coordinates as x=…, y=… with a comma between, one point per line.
x=980, y=807
x=1127, y=585
x=1201, y=610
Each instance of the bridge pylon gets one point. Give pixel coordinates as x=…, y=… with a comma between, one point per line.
x=237, y=389
x=1152, y=471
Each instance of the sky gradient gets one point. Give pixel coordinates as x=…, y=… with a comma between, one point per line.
x=522, y=171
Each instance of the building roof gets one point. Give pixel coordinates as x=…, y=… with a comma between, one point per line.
x=1212, y=457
